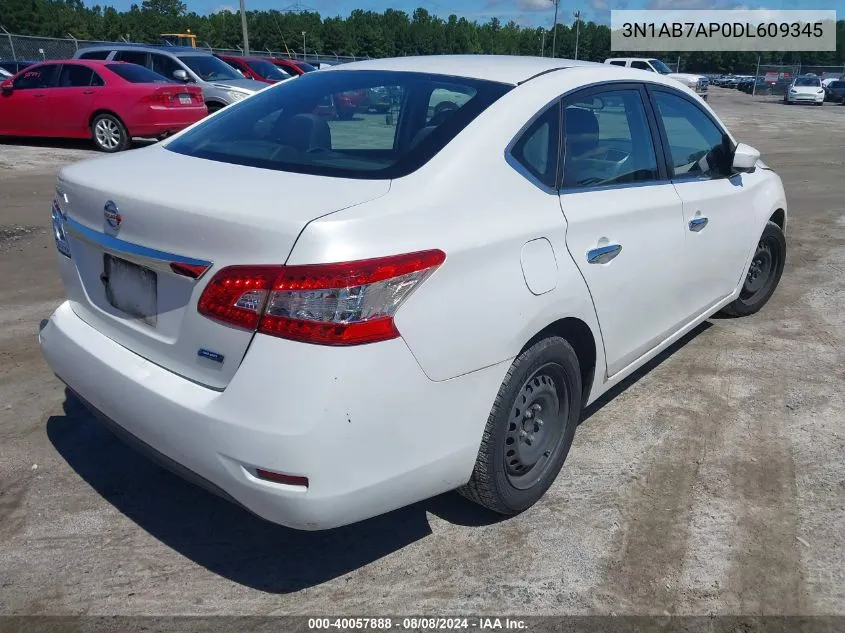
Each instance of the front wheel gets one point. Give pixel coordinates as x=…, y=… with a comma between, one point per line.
x=763, y=275
x=529, y=430
x=109, y=133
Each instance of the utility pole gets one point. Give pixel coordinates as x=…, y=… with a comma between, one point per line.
x=543, y=44
x=303, y=46
x=243, y=26
x=554, y=30
x=577, y=30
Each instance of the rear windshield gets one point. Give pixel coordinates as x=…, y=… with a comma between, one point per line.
x=348, y=124
x=267, y=70
x=136, y=74
x=209, y=68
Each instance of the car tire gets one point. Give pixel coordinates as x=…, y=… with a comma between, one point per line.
x=109, y=134
x=213, y=107
x=763, y=274
x=529, y=430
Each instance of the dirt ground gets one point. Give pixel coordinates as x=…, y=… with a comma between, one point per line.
x=712, y=483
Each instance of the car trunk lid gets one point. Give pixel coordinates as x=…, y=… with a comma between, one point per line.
x=138, y=246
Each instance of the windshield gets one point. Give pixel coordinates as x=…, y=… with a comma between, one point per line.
x=660, y=67
x=306, y=66
x=267, y=70
x=133, y=73
x=808, y=82
x=209, y=68
x=348, y=124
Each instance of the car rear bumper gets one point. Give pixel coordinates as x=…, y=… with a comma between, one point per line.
x=366, y=426
x=167, y=121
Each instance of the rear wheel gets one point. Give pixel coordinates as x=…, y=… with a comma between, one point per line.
x=530, y=429
x=109, y=133
x=763, y=275
x=213, y=107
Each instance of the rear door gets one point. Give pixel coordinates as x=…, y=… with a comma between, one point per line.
x=72, y=100
x=25, y=110
x=718, y=209
x=625, y=223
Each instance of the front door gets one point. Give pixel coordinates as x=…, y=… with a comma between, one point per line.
x=718, y=207
x=25, y=110
x=625, y=221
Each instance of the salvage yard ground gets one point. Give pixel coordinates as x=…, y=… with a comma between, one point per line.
x=712, y=483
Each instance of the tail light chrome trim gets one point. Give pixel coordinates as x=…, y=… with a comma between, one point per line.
x=142, y=255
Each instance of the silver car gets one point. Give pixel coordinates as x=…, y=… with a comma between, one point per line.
x=221, y=84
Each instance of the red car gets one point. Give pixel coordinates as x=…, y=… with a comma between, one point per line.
x=109, y=102
x=292, y=66
x=258, y=68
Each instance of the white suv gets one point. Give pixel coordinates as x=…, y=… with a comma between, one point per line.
x=698, y=83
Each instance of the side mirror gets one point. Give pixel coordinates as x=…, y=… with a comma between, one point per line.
x=181, y=75
x=7, y=86
x=745, y=158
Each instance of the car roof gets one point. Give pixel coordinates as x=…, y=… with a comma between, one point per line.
x=181, y=50
x=511, y=69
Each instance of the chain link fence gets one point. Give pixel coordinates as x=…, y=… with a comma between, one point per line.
x=29, y=48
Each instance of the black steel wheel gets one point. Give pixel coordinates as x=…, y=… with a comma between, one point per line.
x=764, y=273
x=529, y=430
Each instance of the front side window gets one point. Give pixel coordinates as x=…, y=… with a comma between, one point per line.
x=697, y=147
x=641, y=65
x=163, y=65
x=36, y=78
x=305, y=126
x=537, y=148
x=607, y=140
x=209, y=68
x=660, y=67
x=73, y=76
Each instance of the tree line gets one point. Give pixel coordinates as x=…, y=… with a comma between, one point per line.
x=362, y=33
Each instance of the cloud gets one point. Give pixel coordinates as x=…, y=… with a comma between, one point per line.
x=688, y=5
x=523, y=6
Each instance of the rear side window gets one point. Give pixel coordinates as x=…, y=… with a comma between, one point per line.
x=95, y=55
x=336, y=124
x=133, y=57
x=607, y=140
x=618, y=63
x=137, y=74
x=73, y=76
x=537, y=148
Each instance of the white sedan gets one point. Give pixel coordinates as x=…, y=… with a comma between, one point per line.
x=396, y=305
x=805, y=90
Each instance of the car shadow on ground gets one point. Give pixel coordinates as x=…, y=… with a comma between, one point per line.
x=66, y=143
x=225, y=538
x=237, y=545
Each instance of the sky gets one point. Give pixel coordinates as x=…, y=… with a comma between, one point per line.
x=524, y=12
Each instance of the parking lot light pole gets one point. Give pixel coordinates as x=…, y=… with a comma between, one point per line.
x=756, y=74
x=554, y=29
x=577, y=30
x=243, y=27
x=303, y=46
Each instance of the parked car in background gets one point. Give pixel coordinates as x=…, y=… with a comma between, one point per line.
x=390, y=329
x=14, y=67
x=220, y=83
x=805, y=89
x=257, y=68
x=835, y=91
x=697, y=83
x=293, y=66
x=108, y=102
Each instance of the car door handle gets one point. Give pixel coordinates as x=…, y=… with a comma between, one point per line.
x=39, y=95
x=696, y=224
x=88, y=92
x=603, y=254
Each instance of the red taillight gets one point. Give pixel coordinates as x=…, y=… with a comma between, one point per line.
x=349, y=303
x=157, y=98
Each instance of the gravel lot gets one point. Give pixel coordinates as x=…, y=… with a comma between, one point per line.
x=714, y=482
